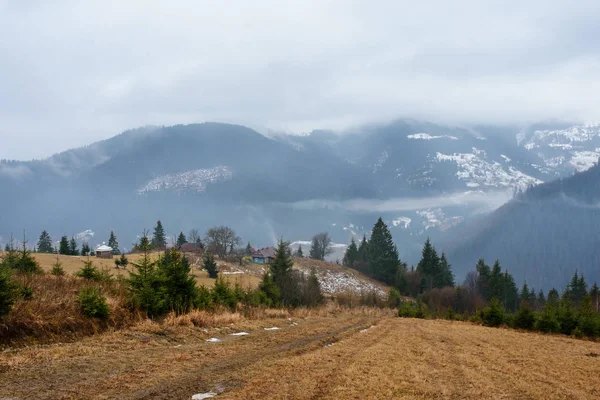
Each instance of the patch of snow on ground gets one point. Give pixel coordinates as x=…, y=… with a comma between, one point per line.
x=402, y=221
x=339, y=282
x=213, y=340
x=240, y=334
x=426, y=136
x=272, y=329
x=366, y=329
x=190, y=181
x=201, y=396
x=232, y=272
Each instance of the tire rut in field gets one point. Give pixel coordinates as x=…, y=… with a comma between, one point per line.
x=227, y=373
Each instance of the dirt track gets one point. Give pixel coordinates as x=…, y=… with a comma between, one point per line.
x=321, y=357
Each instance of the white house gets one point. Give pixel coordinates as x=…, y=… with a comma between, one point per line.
x=104, y=251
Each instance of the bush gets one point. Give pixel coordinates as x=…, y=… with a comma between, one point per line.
x=548, y=321
x=93, y=303
x=7, y=291
x=412, y=310
x=493, y=314
x=566, y=318
x=88, y=271
x=394, y=298
x=525, y=318
x=223, y=294
x=57, y=270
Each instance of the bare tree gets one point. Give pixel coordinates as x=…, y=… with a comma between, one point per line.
x=221, y=239
x=194, y=236
x=321, y=246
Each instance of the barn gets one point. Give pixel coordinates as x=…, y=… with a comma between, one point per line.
x=104, y=251
x=266, y=255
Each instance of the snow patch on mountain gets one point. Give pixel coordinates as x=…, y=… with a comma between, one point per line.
x=190, y=181
x=426, y=136
x=583, y=160
x=436, y=218
x=475, y=171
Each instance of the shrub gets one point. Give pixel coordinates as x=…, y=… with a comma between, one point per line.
x=88, y=271
x=394, y=298
x=57, y=269
x=223, y=294
x=7, y=291
x=493, y=314
x=210, y=265
x=203, y=298
x=566, y=317
x=525, y=318
x=93, y=303
x=268, y=291
x=406, y=310
x=548, y=321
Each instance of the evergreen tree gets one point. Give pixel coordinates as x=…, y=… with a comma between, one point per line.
x=595, y=296
x=312, y=290
x=430, y=268
x=269, y=291
x=45, y=243
x=8, y=291
x=299, y=252
x=248, y=249
x=145, y=283
x=525, y=318
x=576, y=289
x=57, y=269
x=363, y=253
x=181, y=239
x=541, y=300
x=64, y=246
x=383, y=254
x=73, y=248
x=178, y=288
x=113, y=243
x=496, y=283
x=159, y=240
x=351, y=255
x=525, y=295
x=282, y=264
x=210, y=265
x=446, y=277
x=122, y=262
x=85, y=249
x=483, y=280
x=553, y=298
x=20, y=260
x=510, y=293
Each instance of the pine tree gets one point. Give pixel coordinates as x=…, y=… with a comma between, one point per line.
x=64, y=246
x=576, y=289
x=210, y=265
x=595, y=295
x=510, y=293
x=159, y=240
x=114, y=243
x=383, y=254
x=483, y=280
x=541, y=300
x=8, y=291
x=445, y=275
x=429, y=267
x=144, y=281
x=248, y=249
x=553, y=298
x=57, y=269
x=177, y=287
x=85, y=249
x=525, y=295
x=363, y=253
x=351, y=255
x=181, y=239
x=45, y=243
x=282, y=264
x=20, y=260
x=122, y=262
x=496, y=283
x=299, y=252
x=73, y=248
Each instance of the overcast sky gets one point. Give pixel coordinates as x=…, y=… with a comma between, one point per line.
x=73, y=72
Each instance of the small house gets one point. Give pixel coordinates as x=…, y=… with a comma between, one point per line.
x=266, y=255
x=104, y=251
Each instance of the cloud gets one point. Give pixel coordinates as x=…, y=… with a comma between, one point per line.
x=489, y=201
x=75, y=72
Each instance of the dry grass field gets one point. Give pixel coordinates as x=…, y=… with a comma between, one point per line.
x=72, y=264
x=317, y=354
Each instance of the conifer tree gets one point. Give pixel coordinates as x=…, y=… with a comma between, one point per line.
x=299, y=252
x=64, y=246
x=483, y=280
x=85, y=249
x=576, y=289
x=595, y=296
x=541, y=300
x=510, y=293
x=57, y=269
x=73, y=248
x=248, y=249
x=553, y=298
x=525, y=295
x=20, y=260
x=496, y=283
x=429, y=266
x=383, y=254
x=44, y=244
x=351, y=255
x=210, y=265
x=144, y=281
x=181, y=239
x=122, y=262
x=159, y=240
x=113, y=243
x=177, y=287
x=363, y=254
x=445, y=277
x=8, y=291
x=282, y=264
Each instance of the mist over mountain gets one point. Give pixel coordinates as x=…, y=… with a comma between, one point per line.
x=424, y=179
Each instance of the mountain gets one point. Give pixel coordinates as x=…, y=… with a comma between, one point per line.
x=542, y=236
x=424, y=179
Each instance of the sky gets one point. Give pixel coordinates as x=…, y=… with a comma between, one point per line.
x=75, y=72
